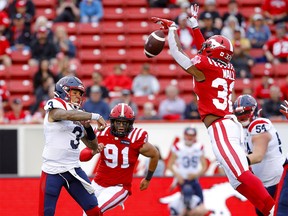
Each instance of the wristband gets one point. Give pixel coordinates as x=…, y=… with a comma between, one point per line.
x=90, y=133
x=95, y=116
x=149, y=175
x=248, y=160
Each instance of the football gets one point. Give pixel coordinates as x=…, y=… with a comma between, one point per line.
x=154, y=44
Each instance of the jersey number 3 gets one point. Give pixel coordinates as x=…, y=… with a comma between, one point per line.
x=223, y=99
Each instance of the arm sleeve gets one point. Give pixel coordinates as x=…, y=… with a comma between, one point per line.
x=198, y=37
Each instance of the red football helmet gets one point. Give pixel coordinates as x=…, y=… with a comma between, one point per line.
x=122, y=118
x=218, y=47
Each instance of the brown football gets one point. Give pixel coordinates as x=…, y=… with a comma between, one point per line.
x=154, y=43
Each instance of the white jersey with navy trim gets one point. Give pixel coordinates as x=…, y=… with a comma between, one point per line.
x=188, y=158
x=61, y=150
x=270, y=169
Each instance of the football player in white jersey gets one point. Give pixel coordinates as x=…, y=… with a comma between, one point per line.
x=187, y=163
x=65, y=124
x=281, y=206
x=262, y=144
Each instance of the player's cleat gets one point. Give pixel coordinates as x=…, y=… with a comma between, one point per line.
x=164, y=22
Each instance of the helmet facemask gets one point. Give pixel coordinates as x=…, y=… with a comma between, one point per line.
x=121, y=127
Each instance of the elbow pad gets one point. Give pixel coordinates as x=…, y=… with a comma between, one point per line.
x=182, y=59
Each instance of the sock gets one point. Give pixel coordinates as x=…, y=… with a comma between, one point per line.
x=94, y=212
x=253, y=189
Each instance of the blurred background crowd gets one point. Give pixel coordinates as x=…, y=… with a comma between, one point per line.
x=102, y=42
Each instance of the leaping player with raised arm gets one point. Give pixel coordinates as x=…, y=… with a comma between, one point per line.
x=214, y=78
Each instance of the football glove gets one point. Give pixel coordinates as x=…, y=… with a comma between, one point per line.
x=284, y=109
x=192, y=21
x=166, y=24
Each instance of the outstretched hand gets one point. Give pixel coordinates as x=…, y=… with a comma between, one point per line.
x=164, y=22
x=192, y=21
x=284, y=109
x=194, y=10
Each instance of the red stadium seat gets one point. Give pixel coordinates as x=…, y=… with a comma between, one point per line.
x=89, y=28
x=256, y=52
x=49, y=13
x=164, y=56
x=165, y=82
x=113, y=40
x=27, y=99
x=136, y=13
x=261, y=69
x=90, y=55
x=281, y=70
x=112, y=27
x=89, y=41
x=4, y=72
x=102, y=55
x=167, y=71
x=240, y=84
x=141, y=100
x=71, y=27
x=44, y=3
x=113, y=13
x=137, y=27
x=138, y=3
x=136, y=40
x=22, y=71
x=20, y=86
x=137, y=55
x=186, y=85
x=112, y=3
x=166, y=13
x=19, y=56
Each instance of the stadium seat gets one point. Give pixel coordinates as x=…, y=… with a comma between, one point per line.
x=113, y=13
x=112, y=3
x=256, y=52
x=49, y=13
x=22, y=71
x=137, y=55
x=136, y=13
x=137, y=27
x=166, y=13
x=167, y=70
x=4, y=72
x=90, y=55
x=89, y=41
x=261, y=69
x=113, y=40
x=136, y=40
x=138, y=3
x=27, y=99
x=281, y=70
x=165, y=82
x=164, y=56
x=20, y=86
x=112, y=27
x=240, y=84
x=186, y=85
x=114, y=55
x=141, y=100
x=19, y=56
x=89, y=28
x=44, y=3
x=71, y=27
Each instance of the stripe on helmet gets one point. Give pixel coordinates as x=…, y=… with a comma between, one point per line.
x=122, y=109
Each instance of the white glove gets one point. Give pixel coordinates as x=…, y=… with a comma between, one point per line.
x=192, y=21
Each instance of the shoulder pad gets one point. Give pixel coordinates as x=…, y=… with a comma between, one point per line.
x=259, y=125
x=55, y=103
x=138, y=134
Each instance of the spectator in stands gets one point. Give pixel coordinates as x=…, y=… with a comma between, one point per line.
x=210, y=7
x=25, y=7
x=42, y=48
x=64, y=46
x=185, y=33
x=241, y=61
x=262, y=91
x=275, y=11
x=5, y=50
x=258, y=32
x=97, y=79
x=96, y=104
x=191, y=109
x=208, y=29
x=145, y=83
x=149, y=112
x=42, y=93
x=4, y=5
x=118, y=80
x=271, y=106
x=173, y=106
x=19, y=35
x=42, y=21
x=276, y=48
x=43, y=71
x=126, y=97
x=242, y=41
x=17, y=115
x=284, y=89
x=4, y=94
x=229, y=27
x=67, y=11
x=91, y=11
x=234, y=10
x=38, y=116
x=65, y=68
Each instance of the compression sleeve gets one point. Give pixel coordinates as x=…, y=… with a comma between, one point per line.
x=86, y=154
x=198, y=37
x=176, y=51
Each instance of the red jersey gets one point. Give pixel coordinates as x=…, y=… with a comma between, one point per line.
x=4, y=46
x=118, y=159
x=4, y=93
x=278, y=47
x=215, y=93
x=275, y=7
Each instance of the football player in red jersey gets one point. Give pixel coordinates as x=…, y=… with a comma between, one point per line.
x=214, y=78
x=281, y=206
x=122, y=145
